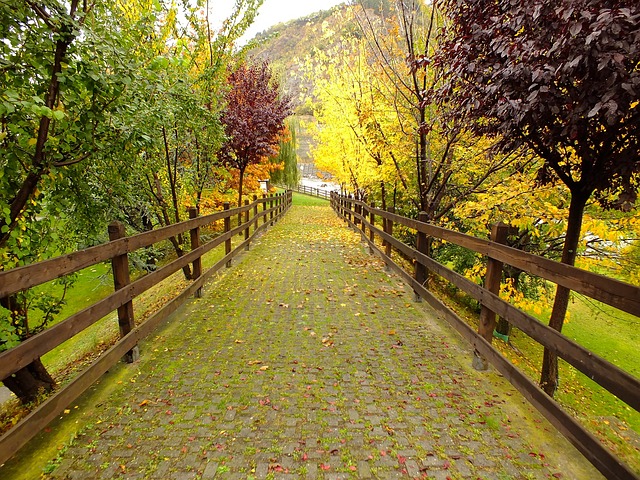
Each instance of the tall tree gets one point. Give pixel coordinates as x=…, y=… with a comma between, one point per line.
x=253, y=118
x=287, y=172
x=561, y=78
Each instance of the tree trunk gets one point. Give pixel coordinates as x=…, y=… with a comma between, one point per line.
x=240, y=182
x=549, y=374
x=503, y=327
x=30, y=382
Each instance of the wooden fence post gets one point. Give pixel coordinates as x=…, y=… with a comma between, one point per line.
x=255, y=213
x=388, y=225
x=372, y=221
x=487, y=322
x=121, y=278
x=246, y=221
x=271, y=208
x=227, y=227
x=349, y=208
x=264, y=208
x=363, y=214
x=195, y=243
x=421, y=272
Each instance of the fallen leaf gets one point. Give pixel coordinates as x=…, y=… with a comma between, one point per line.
x=143, y=403
x=264, y=367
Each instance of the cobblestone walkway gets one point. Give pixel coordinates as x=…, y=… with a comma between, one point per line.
x=308, y=360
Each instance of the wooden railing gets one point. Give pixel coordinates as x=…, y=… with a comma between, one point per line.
x=623, y=296
x=257, y=216
x=313, y=191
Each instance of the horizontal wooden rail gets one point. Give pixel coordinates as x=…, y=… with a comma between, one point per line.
x=615, y=380
x=615, y=293
x=36, y=346
x=313, y=191
x=21, y=278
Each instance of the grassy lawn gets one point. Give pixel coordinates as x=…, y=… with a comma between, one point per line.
x=611, y=334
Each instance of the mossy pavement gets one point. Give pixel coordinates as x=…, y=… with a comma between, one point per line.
x=307, y=359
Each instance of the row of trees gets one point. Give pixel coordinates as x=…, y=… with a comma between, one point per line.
x=527, y=114
x=128, y=110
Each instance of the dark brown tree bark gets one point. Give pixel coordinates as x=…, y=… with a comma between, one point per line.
x=30, y=382
x=549, y=374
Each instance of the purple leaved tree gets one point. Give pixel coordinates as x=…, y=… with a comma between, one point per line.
x=560, y=77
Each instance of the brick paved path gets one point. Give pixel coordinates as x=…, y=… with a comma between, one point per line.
x=307, y=360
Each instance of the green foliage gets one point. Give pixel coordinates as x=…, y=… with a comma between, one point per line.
x=287, y=158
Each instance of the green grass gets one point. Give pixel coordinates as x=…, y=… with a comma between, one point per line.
x=300, y=199
x=609, y=333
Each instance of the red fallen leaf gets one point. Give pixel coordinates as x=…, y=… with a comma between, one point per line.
x=533, y=454
x=383, y=453
x=353, y=468
x=402, y=460
x=325, y=467
x=557, y=475
x=184, y=449
x=305, y=457
x=446, y=465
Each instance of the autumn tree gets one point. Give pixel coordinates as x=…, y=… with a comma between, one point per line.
x=562, y=79
x=253, y=118
x=287, y=172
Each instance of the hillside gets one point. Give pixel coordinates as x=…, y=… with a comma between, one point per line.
x=287, y=45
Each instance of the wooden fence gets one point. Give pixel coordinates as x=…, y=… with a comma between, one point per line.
x=316, y=192
x=257, y=216
x=623, y=296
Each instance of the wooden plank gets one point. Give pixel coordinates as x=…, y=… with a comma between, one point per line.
x=420, y=272
x=621, y=295
x=492, y=280
x=194, y=235
x=121, y=278
x=21, y=278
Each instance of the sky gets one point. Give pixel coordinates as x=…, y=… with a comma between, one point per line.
x=273, y=12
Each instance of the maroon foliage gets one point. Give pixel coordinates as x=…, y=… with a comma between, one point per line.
x=558, y=76
x=253, y=118
x=562, y=78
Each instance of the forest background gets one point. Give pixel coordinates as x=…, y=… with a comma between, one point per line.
x=118, y=113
